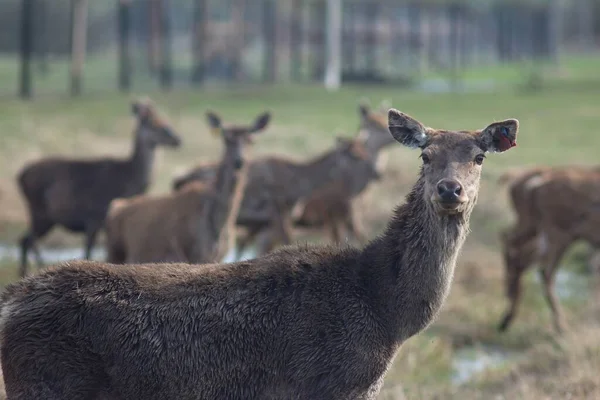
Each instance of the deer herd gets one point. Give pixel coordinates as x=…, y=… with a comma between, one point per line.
x=163, y=319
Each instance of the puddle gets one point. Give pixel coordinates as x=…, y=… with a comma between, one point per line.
x=249, y=254
x=60, y=254
x=570, y=285
x=470, y=361
x=50, y=255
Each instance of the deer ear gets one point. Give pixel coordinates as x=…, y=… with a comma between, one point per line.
x=500, y=136
x=406, y=129
x=136, y=108
x=364, y=109
x=261, y=122
x=214, y=122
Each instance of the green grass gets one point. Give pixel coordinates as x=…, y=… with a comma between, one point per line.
x=558, y=126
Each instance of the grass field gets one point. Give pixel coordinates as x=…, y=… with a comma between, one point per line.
x=558, y=126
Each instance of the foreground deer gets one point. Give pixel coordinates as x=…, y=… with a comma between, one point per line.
x=300, y=323
x=76, y=193
x=555, y=207
x=193, y=225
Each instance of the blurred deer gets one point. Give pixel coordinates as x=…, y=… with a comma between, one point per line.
x=76, y=194
x=276, y=184
x=195, y=224
x=554, y=207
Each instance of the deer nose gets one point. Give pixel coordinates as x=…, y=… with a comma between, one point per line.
x=449, y=190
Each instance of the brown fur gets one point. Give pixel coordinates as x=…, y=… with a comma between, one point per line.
x=76, y=194
x=193, y=225
x=299, y=323
x=549, y=221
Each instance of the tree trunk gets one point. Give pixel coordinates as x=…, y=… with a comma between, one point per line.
x=296, y=35
x=166, y=67
x=26, y=47
x=239, y=20
x=41, y=33
x=554, y=30
x=334, y=45
x=153, y=35
x=317, y=27
x=198, y=40
x=270, y=54
x=79, y=44
x=124, y=53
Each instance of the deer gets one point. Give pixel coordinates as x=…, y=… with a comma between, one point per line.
x=194, y=225
x=331, y=207
x=548, y=223
x=302, y=322
x=265, y=210
x=348, y=157
x=76, y=193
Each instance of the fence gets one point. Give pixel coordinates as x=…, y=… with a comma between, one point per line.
x=78, y=46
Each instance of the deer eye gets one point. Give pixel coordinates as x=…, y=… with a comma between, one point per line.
x=425, y=158
x=479, y=159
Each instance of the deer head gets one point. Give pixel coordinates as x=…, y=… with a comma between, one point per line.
x=236, y=137
x=452, y=160
x=152, y=128
x=373, y=129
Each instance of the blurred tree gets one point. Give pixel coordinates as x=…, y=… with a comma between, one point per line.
x=198, y=40
x=123, y=15
x=269, y=32
x=296, y=35
x=78, y=43
x=27, y=18
x=153, y=35
x=333, y=72
x=166, y=68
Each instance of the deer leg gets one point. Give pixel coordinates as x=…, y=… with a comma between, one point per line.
x=514, y=292
x=40, y=227
x=517, y=260
x=91, y=233
x=549, y=266
x=354, y=226
x=334, y=229
x=246, y=239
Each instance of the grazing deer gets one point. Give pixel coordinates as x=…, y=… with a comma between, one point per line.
x=76, y=193
x=548, y=223
x=193, y=225
x=309, y=322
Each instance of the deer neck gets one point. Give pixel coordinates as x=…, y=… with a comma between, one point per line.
x=222, y=209
x=411, y=265
x=141, y=162
x=375, y=142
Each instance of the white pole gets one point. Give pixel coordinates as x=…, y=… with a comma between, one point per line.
x=333, y=70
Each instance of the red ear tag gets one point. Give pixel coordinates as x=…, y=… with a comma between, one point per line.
x=505, y=142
